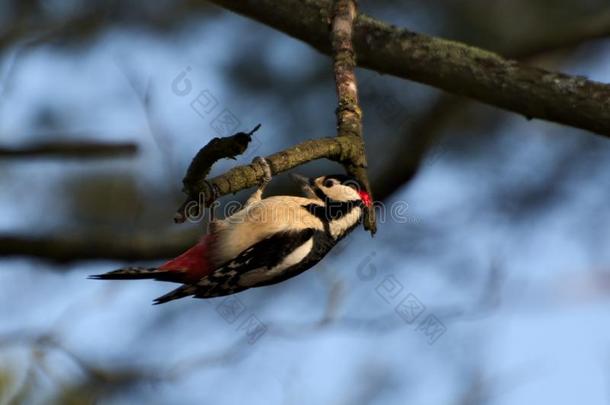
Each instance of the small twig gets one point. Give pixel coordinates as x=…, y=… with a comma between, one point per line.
x=349, y=114
x=195, y=179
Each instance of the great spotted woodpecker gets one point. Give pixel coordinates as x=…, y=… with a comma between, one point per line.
x=268, y=241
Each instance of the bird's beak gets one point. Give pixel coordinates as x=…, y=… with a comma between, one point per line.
x=305, y=183
x=301, y=179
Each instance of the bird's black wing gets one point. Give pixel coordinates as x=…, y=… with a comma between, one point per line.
x=268, y=252
x=263, y=255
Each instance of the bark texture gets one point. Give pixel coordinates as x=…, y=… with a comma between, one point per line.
x=349, y=113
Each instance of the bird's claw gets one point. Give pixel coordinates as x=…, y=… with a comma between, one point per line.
x=214, y=201
x=266, y=168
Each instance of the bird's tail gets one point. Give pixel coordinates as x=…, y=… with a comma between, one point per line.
x=140, y=273
x=180, y=292
x=187, y=268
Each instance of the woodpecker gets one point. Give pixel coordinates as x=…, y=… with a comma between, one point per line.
x=268, y=241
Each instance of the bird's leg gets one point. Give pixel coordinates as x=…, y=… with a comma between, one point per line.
x=258, y=194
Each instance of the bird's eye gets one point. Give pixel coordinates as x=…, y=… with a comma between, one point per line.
x=329, y=183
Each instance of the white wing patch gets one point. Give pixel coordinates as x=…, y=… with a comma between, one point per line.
x=338, y=226
x=264, y=274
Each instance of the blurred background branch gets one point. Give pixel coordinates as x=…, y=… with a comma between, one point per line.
x=68, y=247
x=76, y=149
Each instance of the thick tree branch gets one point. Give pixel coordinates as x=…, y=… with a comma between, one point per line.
x=449, y=65
x=349, y=114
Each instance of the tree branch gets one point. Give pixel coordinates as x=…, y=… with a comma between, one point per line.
x=349, y=114
x=195, y=179
x=449, y=65
x=339, y=149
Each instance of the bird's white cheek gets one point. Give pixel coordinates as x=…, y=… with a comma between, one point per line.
x=342, y=193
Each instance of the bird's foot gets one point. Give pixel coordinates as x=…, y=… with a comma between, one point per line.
x=262, y=162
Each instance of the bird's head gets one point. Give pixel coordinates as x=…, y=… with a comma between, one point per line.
x=337, y=188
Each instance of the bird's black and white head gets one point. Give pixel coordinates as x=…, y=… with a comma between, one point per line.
x=344, y=201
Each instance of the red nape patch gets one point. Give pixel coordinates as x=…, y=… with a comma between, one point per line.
x=366, y=198
x=193, y=264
